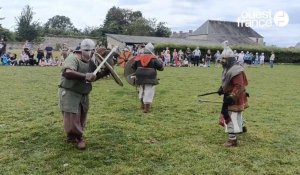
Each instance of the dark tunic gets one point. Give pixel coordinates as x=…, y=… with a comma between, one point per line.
x=146, y=66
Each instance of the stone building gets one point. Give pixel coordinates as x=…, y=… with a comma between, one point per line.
x=218, y=31
x=212, y=32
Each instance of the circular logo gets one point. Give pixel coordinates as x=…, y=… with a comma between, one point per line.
x=281, y=18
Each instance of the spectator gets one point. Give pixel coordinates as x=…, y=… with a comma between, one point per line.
x=26, y=47
x=236, y=55
x=40, y=53
x=256, y=59
x=247, y=58
x=134, y=50
x=251, y=57
x=13, y=59
x=218, y=58
x=167, y=58
x=141, y=49
x=167, y=49
x=2, y=47
x=175, y=58
x=272, y=58
x=24, y=59
x=185, y=63
x=32, y=61
x=5, y=59
x=207, y=58
x=197, y=55
x=262, y=59
x=161, y=56
x=189, y=55
x=240, y=59
x=180, y=56
x=48, y=50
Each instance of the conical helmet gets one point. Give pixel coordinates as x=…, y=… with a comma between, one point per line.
x=149, y=48
x=87, y=44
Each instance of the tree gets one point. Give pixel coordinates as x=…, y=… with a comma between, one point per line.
x=93, y=31
x=162, y=31
x=26, y=29
x=141, y=27
x=5, y=33
x=124, y=21
x=60, y=22
x=117, y=20
x=60, y=25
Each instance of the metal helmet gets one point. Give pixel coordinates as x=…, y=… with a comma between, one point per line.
x=87, y=44
x=227, y=52
x=149, y=48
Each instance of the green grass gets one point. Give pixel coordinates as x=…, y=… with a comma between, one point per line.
x=179, y=136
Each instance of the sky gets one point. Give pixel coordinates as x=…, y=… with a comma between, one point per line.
x=180, y=15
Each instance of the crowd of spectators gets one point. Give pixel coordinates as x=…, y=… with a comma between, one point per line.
x=189, y=58
x=43, y=56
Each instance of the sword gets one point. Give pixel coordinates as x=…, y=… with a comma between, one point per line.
x=207, y=94
x=105, y=59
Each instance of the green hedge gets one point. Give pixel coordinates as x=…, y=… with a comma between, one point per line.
x=282, y=55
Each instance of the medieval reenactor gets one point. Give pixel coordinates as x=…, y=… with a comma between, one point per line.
x=74, y=89
x=234, y=82
x=145, y=66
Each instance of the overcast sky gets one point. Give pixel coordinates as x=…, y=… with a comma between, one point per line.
x=180, y=15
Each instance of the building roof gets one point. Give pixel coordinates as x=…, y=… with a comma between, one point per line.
x=225, y=28
x=128, y=39
x=218, y=31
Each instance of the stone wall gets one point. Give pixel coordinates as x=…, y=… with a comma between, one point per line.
x=72, y=43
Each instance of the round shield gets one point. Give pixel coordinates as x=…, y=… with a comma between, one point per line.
x=129, y=72
x=124, y=56
x=111, y=70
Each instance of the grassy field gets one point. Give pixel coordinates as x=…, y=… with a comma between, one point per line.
x=180, y=135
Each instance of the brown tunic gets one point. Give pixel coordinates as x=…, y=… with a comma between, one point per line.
x=236, y=88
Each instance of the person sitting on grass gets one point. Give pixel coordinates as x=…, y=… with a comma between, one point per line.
x=13, y=59
x=5, y=59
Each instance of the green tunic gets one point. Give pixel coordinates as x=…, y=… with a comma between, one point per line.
x=72, y=93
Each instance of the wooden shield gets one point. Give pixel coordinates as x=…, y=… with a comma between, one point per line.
x=124, y=57
x=129, y=72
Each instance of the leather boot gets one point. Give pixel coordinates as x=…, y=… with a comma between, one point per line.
x=245, y=129
x=146, y=108
x=231, y=143
x=142, y=104
x=81, y=144
x=71, y=138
